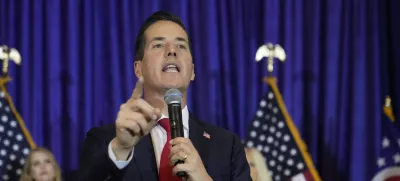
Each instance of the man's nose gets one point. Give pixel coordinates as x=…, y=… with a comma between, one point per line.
x=170, y=50
x=172, y=54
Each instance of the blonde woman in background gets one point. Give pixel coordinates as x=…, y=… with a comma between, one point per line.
x=258, y=167
x=41, y=165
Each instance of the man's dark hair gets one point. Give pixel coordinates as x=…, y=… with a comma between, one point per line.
x=157, y=16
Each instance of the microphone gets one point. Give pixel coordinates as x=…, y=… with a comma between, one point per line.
x=173, y=98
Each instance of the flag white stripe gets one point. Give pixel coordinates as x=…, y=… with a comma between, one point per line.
x=299, y=177
x=387, y=173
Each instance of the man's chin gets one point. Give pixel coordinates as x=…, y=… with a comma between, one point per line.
x=180, y=87
x=172, y=86
x=163, y=85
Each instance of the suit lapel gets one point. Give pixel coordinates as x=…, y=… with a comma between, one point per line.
x=199, y=140
x=145, y=160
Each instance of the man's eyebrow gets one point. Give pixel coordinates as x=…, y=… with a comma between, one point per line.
x=162, y=39
x=182, y=39
x=158, y=39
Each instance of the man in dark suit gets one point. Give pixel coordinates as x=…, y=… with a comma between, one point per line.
x=138, y=145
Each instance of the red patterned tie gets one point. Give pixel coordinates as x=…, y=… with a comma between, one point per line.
x=165, y=170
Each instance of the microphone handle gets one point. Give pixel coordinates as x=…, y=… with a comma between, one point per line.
x=175, y=118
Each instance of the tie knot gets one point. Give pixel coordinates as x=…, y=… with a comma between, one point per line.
x=165, y=124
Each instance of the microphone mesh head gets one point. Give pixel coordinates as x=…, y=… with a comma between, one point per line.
x=173, y=96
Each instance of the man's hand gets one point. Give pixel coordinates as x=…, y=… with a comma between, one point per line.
x=135, y=119
x=183, y=149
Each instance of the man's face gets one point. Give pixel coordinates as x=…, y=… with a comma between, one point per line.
x=167, y=61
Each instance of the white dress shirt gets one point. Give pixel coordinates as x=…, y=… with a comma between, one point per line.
x=159, y=137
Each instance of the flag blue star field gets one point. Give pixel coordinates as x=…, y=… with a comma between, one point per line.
x=15, y=140
x=388, y=162
x=275, y=136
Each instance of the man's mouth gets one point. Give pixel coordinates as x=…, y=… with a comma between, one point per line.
x=171, y=67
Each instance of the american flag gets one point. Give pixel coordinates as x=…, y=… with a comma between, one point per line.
x=15, y=141
x=388, y=162
x=273, y=133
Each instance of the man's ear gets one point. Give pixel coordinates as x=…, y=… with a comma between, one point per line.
x=138, y=68
x=193, y=75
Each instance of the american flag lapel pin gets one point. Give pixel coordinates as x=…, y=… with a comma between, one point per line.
x=205, y=134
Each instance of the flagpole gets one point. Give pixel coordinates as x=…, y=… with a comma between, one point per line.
x=271, y=52
x=388, y=109
x=7, y=54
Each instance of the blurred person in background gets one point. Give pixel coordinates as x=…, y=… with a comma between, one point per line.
x=41, y=165
x=258, y=167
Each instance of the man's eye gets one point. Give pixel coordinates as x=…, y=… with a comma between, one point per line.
x=182, y=46
x=158, y=46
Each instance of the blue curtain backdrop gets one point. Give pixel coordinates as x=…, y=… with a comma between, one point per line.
x=78, y=68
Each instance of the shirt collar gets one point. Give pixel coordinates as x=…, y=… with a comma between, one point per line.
x=185, y=117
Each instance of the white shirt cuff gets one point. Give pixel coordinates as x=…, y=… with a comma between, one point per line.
x=120, y=164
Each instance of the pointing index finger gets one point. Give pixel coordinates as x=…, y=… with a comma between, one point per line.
x=138, y=91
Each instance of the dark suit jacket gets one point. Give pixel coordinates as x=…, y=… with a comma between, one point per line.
x=223, y=155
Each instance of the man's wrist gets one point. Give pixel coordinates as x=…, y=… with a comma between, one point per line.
x=209, y=178
x=205, y=177
x=120, y=164
x=121, y=153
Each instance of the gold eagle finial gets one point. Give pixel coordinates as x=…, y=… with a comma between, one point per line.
x=7, y=54
x=270, y=51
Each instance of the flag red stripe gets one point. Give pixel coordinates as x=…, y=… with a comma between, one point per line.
x=308, y=176
x=395, y=178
